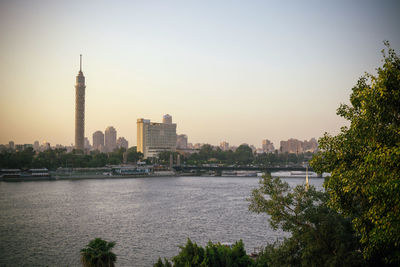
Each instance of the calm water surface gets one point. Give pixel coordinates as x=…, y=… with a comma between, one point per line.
x=48, y=222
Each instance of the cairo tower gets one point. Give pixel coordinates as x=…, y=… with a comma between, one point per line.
x=80, y=109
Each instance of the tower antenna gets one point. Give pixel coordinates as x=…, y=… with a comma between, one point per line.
x=80, y=62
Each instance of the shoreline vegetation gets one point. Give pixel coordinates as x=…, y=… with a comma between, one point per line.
x=53, y=159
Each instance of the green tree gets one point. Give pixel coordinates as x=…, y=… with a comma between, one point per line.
x=133, y=155
x=364, y=162
x=190, y=255
x=243, y=154
x=116, y=157
x=213, y=255
x=160, y=263
x=98, y=254
x=319, y=235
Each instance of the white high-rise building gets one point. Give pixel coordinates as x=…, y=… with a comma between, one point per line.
x=98, y=140
x=153, y=138
x=110, y=139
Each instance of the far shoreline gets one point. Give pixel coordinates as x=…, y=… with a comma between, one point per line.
x=108, y=177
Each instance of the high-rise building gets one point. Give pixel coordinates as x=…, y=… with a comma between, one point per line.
x=292, y=146
x=36, y=146
x=122, y=143
x=153, y=138
x=98, y=140
x=181, y=141
x=310, y=146
x=11, y=145
x=80, y=109
x=110, y=139
x=297, y=146
x=267, y=146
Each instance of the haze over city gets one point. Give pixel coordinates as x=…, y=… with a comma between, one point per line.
x=228, y=71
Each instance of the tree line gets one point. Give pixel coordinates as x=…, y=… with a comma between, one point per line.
x=54, y=158
x=243, y=155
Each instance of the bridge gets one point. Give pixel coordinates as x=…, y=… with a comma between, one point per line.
x=184, y=168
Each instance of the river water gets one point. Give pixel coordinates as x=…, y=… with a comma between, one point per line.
x=46, y=223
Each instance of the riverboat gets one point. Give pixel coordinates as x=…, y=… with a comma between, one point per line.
x=128, y=171
x=10, y=173
x=16, y=175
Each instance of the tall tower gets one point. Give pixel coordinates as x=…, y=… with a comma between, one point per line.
x=80, y=109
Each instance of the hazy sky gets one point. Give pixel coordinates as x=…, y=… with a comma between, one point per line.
x=239, y=71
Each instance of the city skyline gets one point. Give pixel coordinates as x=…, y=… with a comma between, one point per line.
x=231, y=72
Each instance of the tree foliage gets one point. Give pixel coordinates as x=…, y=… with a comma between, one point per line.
x=133, y=156
x=319, y=235
x=54, y=158
x=213, y=255
x=98, y=254
x=364, y=161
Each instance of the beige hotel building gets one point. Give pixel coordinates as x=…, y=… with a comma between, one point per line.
x=153, y=137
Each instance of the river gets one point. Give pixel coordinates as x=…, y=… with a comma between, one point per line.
x=48, y=222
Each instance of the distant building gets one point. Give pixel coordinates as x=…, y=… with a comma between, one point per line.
x=87, y=144
x=224, y=146
x=122, y=143
x=110, y=139
x=11, y=145
x=267, y=146
x=36, y=146
x=98, y=140
x=45, y=146
x=297, y=146
x=182, y=141
x=291, y=146
x=167, y=119
x=259, y=151
x=198, y=145
x=310, y=146
x=253, y=148
x=153, y=138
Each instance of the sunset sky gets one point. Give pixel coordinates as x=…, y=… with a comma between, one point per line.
x=236, y=71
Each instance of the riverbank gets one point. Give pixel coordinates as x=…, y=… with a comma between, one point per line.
x=111, y=177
